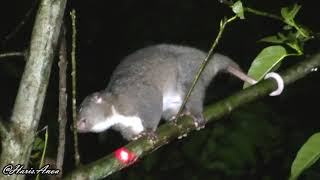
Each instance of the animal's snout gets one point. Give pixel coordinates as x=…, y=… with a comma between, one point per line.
x=81, y=125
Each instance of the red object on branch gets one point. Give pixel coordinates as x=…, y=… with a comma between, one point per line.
x=124, y=155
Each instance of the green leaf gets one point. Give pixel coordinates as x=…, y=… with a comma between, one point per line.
x=237, y=8
x=38, y=144
x=294, y=42
x=306, y=156
x=291, y=39
x=289, y=14
x=35, y=155
x=287, y=27
x=44, y=150
x=273, y=39
x=265, y=61
x=305, y=32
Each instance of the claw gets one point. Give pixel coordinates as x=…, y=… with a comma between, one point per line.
x=174, y=119
x=150, y=134
x=199, y=121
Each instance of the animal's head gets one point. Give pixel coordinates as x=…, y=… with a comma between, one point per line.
x=94, y=112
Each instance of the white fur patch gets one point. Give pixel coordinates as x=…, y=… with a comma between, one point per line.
x=171, y=101
x=129, y=121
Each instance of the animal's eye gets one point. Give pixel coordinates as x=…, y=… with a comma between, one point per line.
x=83, y=120
x=94, y=98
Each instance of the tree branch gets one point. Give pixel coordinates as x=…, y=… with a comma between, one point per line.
x=16, y=147
x=12, y=54
x=74, y=87
x=62, y=118
x=21, y=24
x=3, y=129
x=167, y=132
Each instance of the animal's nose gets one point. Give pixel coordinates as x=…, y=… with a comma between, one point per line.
x=81, y=124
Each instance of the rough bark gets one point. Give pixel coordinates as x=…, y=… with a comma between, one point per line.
x=17, y=144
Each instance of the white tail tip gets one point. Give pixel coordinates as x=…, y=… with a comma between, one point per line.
x=279, y=81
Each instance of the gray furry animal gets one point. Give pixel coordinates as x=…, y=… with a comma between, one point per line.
x=149, y=85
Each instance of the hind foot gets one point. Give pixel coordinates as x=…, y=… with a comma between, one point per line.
x=199, y=121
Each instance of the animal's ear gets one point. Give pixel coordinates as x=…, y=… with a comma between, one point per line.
x=98, y=98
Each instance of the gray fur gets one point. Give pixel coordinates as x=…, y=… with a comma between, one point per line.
x=139, y=83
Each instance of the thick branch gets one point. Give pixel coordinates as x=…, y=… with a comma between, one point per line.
x=167, y=132
x=16, y=147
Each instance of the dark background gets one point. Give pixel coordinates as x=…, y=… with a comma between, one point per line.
x=258, y=141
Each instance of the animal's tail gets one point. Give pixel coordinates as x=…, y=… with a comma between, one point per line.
x=220, y=63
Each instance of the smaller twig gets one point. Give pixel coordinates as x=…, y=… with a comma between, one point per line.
x=254, y=11
x=265, y=14
x=3, y=129
x=44, y=150
x=74, y=86
x=40, y=131
x=62, y=119
x=21, y=24
x=12, y=54
x=223, y=23
x=296, y=25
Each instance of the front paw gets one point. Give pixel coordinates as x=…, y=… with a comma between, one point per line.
x=174, y=119
x=151, y=135
x=199, y=121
